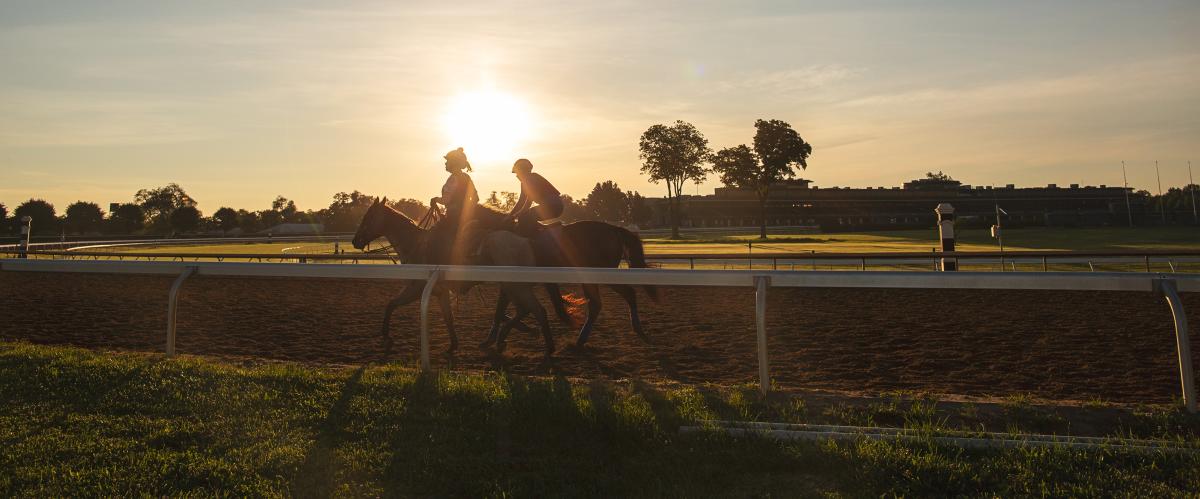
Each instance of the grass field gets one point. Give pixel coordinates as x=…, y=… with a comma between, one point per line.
x=80, y=422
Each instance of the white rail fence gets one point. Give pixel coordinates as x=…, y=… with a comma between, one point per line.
x=1167, y=285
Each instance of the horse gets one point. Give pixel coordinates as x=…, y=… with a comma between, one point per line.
x=590, y=243
x=579, y=244
x=411, y=243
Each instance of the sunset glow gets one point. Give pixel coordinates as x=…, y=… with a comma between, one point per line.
x=490, y=125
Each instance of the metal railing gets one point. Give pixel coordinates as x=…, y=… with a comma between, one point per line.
x=1144, y=260
x=1168, y=285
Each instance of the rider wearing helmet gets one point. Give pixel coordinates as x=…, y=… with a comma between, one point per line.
x=459, y=198
x=539, y=199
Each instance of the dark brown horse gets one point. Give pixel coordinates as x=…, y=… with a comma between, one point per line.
x=416, y=245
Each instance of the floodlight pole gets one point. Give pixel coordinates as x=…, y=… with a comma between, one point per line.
x=1128, y=209
x=1162, y=205
x=1192, y=189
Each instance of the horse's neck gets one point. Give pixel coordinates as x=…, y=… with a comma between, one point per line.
x=405, y=239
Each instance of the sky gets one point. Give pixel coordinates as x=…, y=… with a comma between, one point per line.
x=241, y=101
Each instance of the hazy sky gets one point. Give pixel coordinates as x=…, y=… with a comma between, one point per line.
x=241, y=101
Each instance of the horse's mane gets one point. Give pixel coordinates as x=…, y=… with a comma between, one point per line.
x=397, y=213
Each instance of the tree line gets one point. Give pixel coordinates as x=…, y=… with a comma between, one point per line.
x=169, y=210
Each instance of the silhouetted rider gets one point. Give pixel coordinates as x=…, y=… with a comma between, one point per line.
x=539, y=199
x=460, y=199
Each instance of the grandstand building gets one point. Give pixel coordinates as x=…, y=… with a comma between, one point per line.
x=798, y=203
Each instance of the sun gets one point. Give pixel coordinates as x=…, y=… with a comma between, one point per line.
x=491, y=126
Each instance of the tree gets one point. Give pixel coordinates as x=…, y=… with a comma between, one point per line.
x=159, y=203
x=3, y=219
x=778, y=150
x=937, y=176
x=226, y=219
x=674, y=154
x=248, y=221
x=608, y=202
x=84, y=217
x=285, y=207
x=504, y=201
x=640, y=213
x=346, y=211
x=128, y=218
x=185, y=219
x=45, y=219
x=573, y=210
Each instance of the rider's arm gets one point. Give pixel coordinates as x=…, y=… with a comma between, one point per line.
x=523, y=203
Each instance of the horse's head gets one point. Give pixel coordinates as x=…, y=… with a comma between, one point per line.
x=372, y=225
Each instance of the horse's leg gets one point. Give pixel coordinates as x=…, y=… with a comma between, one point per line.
x=630, y=296
x=592, y=292
x=556, y=299
x=527, y=302
x=411, y=293
x=502, y=337
x=448, y=317
x=497, y=319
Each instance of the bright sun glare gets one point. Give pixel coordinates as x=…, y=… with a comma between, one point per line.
x=490, y=126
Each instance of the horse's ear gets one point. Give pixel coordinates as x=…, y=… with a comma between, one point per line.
x=385, y=200
x=376, y=202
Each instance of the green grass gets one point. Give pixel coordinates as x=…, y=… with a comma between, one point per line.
x=75, y=422
x=925, y=240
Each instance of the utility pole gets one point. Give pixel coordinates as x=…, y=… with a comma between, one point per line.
x=1192, y=189
x=1128, y=210
x=1162, y=205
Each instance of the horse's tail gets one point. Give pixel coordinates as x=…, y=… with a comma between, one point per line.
x=636, y=255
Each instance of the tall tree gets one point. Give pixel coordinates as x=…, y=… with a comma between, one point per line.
x=185, y=219
x=285, y=207
x=160, y=202
x=226, y=219
x=608, y=202
x=3, y=219
x=128, y=218
x=45, y=219
x=674, y=154
x=84, y=217
x=778, y=150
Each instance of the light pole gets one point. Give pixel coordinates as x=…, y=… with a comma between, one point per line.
x=1128, y=210
x=1162, y=205
x=1192, y=189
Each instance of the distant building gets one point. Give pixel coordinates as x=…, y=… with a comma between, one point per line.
x=797, y=203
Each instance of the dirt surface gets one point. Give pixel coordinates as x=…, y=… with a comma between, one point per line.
x=1118, y=347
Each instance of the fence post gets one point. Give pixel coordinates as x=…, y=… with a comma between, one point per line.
x=26, y=233
x=173, y=307
x=425, y=294
x=760, y=320
x=945, y=215
x=1182, y=347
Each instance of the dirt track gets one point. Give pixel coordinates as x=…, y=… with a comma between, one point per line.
x=1060, y=345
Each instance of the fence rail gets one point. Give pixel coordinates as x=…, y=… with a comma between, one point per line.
x=1167, y=284
x=1173, y=259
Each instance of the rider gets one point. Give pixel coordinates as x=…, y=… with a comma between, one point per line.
x=459, y=198
x=534, y=189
